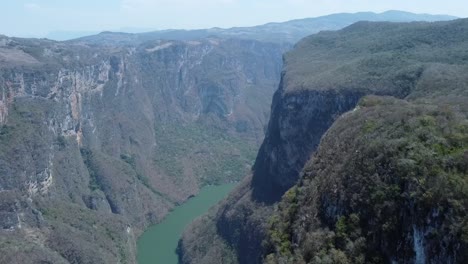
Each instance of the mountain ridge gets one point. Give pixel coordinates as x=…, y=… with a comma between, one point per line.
x=288, y=31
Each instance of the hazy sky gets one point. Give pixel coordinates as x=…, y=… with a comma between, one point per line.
x=39, y=17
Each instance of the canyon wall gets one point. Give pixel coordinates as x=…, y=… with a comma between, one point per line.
x=325, y=76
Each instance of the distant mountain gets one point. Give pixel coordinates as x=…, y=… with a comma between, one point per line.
x=289, y=32
x=62, y=35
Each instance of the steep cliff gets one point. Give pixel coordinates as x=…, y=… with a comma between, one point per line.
x=325, y=76
x=387, y=184
x=98, y=142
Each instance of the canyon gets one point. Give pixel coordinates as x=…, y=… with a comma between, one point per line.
x=102, y=136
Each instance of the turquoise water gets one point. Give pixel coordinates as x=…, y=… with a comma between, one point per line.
x=158, y=243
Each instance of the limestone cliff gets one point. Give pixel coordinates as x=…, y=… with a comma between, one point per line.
x=98, y=142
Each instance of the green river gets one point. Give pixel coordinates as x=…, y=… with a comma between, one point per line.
x=158, y=243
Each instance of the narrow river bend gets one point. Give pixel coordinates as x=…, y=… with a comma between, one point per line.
x=158, y=243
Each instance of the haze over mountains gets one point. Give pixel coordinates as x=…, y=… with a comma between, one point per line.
x=286, y=32
x=101, y=136
x=292, y=30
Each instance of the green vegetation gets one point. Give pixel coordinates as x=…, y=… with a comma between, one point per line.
x=129, y=159
x=388, y=161
x=421, y=59
x=88, y=157
x=61, y=142
x=280, y=225
x=11, y=248
x=415, y=156
x=70, y=225
x=213, y=155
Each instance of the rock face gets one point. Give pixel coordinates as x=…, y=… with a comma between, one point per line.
x=297, y=122
x=379, y=189
x=325, y=76
x=90, y=134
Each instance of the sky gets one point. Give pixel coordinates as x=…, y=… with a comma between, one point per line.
x=44, y=18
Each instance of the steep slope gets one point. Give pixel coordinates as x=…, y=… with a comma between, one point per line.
x=90, y=134
x=326, y=75
x=387, y=184
x=283, y=32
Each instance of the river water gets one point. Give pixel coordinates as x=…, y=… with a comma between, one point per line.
x=158, y=243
